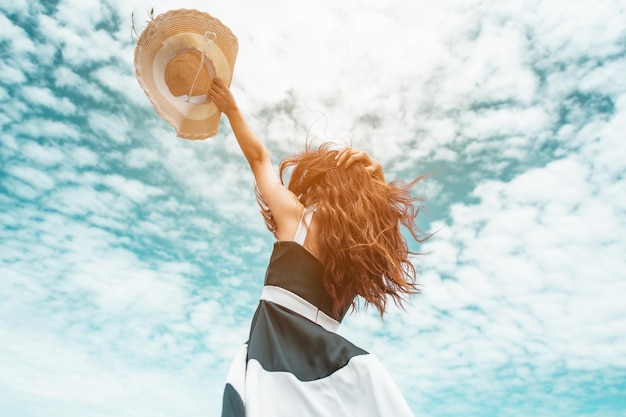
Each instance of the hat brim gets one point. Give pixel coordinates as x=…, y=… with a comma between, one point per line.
x=172, y=33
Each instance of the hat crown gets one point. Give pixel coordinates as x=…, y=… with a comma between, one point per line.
x=186, y=74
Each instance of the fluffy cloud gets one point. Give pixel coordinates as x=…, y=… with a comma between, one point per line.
x=137, y=258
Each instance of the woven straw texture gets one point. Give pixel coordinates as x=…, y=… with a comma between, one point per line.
x=175, y=36
x=180, y=75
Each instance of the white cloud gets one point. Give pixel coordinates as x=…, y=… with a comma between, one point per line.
x=34, y=177
x=605, y=79
x=15, y=110
x=14, y=6
x=80, y=16
x=51, y=129
x=79, y=45
x=505, y=122
x=83, y=157
x=20, y=189
x=141, y=157
x=114, y=127
x=46, y=98
x=65, y=77
x=45, y=368
x=16, y=36
x=130, y=188
x=489, y=69
x=43, y=155
x=11, y=74
x=565, y=32
x=120, y=81
x=84, y=200
x=540, y=248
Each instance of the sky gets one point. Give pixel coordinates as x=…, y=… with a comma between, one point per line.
x=131, y=261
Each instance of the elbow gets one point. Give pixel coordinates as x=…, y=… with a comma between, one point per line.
x=259, y=158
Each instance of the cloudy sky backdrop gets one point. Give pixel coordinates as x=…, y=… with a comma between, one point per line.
x=131, y=261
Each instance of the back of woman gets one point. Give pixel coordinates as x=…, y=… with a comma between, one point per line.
x=337, y=226
x=356, y=226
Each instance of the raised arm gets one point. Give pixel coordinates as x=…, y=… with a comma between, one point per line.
x=284, y=205
x=253, y=149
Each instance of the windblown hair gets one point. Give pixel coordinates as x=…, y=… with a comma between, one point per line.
x=359, y=218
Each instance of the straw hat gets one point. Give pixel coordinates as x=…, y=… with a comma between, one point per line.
x=176, y=57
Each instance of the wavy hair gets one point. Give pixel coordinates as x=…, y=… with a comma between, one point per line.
x=359, y=218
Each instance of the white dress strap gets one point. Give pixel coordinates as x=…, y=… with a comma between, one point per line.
x=303, y=226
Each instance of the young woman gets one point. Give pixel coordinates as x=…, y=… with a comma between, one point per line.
x=337, y=227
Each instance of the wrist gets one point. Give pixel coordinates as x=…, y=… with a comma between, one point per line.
x=231, y=111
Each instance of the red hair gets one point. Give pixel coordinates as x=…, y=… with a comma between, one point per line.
x=359, y=218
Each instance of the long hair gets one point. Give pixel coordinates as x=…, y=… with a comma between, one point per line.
x=359, y=218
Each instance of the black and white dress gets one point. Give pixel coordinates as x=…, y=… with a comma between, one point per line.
x=294, y=364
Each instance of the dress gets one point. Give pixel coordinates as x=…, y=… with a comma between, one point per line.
x=294, y=364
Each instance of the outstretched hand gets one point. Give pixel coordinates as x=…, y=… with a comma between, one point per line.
x=347, y=156
x=221, y=96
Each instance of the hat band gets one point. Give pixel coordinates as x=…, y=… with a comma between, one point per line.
x=209, y=37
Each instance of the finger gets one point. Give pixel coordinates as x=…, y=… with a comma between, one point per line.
x=354, y=157
x=342, y=152
x=345, y=157
x=342, y=155
x=217, y=86
x=213, y=88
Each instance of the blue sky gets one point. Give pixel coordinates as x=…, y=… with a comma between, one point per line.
x=131, y=261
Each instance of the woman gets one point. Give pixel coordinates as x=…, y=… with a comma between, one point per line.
x=337, y=227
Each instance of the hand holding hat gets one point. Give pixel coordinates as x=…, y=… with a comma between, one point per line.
x=221, y=96
x=176, y=57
